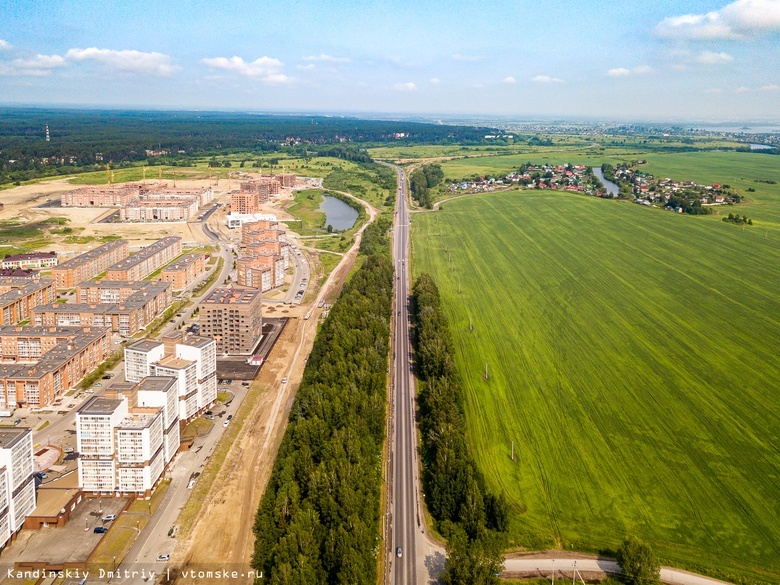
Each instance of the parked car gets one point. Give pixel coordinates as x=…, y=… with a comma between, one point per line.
x=68, y=449
x=109, y=518
x=163, y=557
x=89, y=391
x=226, y=423
x=230, y=417
x=17, y=422
x=100, y=530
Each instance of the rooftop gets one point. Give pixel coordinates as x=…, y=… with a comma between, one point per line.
x=231, y=296
x=156, y=384
x=183, y=262
x=99, y=406
x=140, y=418
x=174, y=363
x=10, y=436
x=144, y=345
x=145, y=253
x=90, y=255
x=30, y=256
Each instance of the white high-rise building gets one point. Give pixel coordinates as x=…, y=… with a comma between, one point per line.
x=191, y=360
x=17, y=484
x=162, y=393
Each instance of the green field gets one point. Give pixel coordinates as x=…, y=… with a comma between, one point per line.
x=633, y=360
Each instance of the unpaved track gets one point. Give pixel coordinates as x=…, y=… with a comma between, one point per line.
x=221, y=536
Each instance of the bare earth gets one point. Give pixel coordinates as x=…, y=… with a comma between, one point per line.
x=222, y=533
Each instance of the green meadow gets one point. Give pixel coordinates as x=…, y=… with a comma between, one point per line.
x=632, y=359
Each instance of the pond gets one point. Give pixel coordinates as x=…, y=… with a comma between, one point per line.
x=337, y=213
x=611, y=187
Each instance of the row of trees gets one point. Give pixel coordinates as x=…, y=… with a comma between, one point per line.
x=422, y=180
x=318, y=521
x=468, y=514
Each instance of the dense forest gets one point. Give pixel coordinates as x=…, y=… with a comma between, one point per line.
x=422, y=180
x=81, y=140
x=318, y=521
x=466, y=513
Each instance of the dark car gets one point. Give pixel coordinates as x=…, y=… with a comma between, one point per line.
x=100, y=530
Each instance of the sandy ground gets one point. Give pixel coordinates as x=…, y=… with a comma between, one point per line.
x=222, y=532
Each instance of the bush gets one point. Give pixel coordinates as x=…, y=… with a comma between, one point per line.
x=639, y=564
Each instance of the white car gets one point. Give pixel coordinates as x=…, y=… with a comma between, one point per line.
x=163, y=557
x=284, y=380
x=226, y=423
x=109, y=518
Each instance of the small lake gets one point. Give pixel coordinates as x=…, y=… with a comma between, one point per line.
x=760, y=147
x=337, y=213
x=611, y=187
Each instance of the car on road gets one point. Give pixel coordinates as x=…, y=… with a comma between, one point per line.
x=228, y=382
x=163, y=557
x=399, y=552
x=68, y=449
x=190, y=485
x=209, y=412
x=230, y=417
x=17, y=422
x=109, y=518
x=97, y=384
x=100, y=530
x=284, y=380
x=399, y=313
x=226, y=423
x=245, y=383
x=89, y=391
x=41, y=475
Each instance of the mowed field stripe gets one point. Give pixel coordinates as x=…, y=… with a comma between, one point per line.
x=632, y=360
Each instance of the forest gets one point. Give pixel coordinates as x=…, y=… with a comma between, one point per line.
x=318, y=521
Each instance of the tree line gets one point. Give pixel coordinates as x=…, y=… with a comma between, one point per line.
x=318, y=521
x=465, y=511
x=422, y=180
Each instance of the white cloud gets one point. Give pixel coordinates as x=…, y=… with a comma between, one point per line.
x=129, y=61
x=509, y=80
x=435, y=80
x=546, y=79
x=408, y=86
x=5, y=45
x=326, y=58
x=619, y=72
x=734, y=21
x=37, y=66
x=466, y=58
x=712, y=58
x=267, y=69
x=742, y=89
x=307, y=67
x=772, y=87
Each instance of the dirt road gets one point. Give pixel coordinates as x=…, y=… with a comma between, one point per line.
x=222, y=532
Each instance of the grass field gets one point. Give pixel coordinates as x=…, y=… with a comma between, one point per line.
x=632, y=359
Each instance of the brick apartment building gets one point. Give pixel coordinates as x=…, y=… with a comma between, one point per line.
x=89, y=264
x=123, y=307
x=233, y=318
x=246, y=202
x=39, y=364
x=184, y=271
x=19, y=296
x=147, y=260
x=103, y=196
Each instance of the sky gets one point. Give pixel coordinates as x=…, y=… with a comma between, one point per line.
x=697, y=60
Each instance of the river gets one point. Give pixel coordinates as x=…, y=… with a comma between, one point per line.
x=338, y=214
x=611, y=187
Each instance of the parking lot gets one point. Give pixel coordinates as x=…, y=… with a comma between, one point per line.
x=72, y=544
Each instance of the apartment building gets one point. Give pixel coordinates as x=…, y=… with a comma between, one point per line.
x=287, y=180
x=244, y=202
x=233, y=318
x=184, y=271
x=147, y=260
x=36, y=260
x=39, y=364
x=123, y=307
x=103, y=196
x=262, y=271
x=127, y=438
x=17, y=483
x=268, y=234
x=148, y=211
x=190, y=360
x=19, y=296
x=89, y=264
x=19, y=273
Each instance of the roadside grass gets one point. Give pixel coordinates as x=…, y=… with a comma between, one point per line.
x=632, y=360
x=211, y=279
x=223, y=397
x=197, y=427
x=155, y=326
x=116, y=543
x=329, y=261
x=98, y=372
x=214, y=465
x=142, y=506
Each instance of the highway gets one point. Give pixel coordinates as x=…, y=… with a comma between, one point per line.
x=419, y=555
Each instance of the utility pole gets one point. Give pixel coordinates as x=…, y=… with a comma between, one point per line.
x=513, y=450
